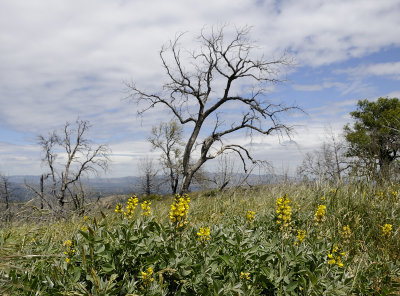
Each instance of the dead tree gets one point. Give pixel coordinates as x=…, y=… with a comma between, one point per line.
x=6, y=191
x=328, y=162
x=194, y=96
x=68, y=156
x=167, y=137
x=224, y=172
x=148, y=173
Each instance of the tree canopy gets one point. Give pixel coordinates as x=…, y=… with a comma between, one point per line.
x=374, y=137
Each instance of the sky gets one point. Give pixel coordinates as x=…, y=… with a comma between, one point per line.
x=63, y=60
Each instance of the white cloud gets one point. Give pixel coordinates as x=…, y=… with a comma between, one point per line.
x=63, y=60
x=394, y=94
x=392, y=70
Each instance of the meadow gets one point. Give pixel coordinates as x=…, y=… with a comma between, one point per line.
x=283, y=239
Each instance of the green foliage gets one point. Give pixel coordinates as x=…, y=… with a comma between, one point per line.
x=113, y=255
x=374, y=137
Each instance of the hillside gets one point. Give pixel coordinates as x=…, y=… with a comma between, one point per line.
x=281, y=239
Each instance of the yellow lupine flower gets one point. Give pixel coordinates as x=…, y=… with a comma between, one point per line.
x=69, y=250
x=147, y=277
x=245, y=275
x=301, y=234
x=179, y=210
x=250, y=216
x=320, y=214
x=387, y=230
x=146, y=208
x=336, y=256
x=203, y=234
x=346, y=232
x=131, y=206
x=283, y=211
x=118, y=208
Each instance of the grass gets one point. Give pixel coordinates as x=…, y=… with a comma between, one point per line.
x=110, y=255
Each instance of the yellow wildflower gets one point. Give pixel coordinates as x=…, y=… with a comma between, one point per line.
x=346, y=232
x=301, y=234
x=146, y=208
x=179, y=210
x=335, y=257
x=118, y=208
x=283, y=211
x=131, y=206
x=147, y=277
x=320, y=214
x=83, y=228
x=250, y=216
x=387, y=230
x=245, y=276
x=203, y=234
x=331, y=259
x=69, y=249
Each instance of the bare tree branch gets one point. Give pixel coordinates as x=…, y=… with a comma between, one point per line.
x=81, y=159
x=193, y=93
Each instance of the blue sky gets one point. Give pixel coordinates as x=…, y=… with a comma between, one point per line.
x=64, y=59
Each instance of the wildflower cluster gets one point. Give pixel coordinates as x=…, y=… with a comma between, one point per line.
x=320, y=214
x=119, y=208
x=69, y=250
x=147, y=277
x=131, y=206
x=203, y=234
x=245, y=275
x=387, y=230
x=284, y=211
x=250, y=216
x=301, y=234
x=146, y=208
x=179, y=210
x=335, y=256
x=346, y=232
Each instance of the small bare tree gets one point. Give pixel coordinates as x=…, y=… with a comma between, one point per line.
x=6, y=191
x=329, y=162
x=167, y=137
x=194, y=96
x=224, y=172
x=68, y=156
x=148, y=174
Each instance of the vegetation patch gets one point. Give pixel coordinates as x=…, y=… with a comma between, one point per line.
x=276, y=240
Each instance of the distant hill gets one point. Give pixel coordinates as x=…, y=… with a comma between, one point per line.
x=128, y=185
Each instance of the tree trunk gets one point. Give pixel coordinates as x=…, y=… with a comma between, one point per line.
x=41, y=191
x=186, y=155
x=148, y=185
